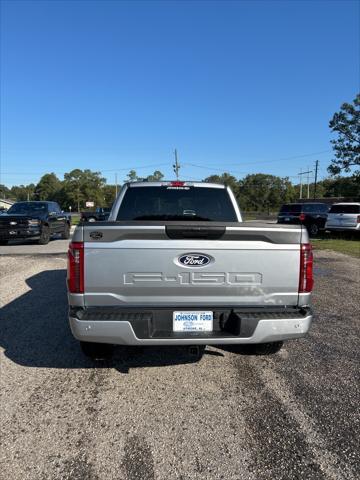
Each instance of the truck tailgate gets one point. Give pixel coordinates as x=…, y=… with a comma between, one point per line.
x=138, y=265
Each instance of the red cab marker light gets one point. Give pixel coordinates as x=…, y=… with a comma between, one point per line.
x=177, y=183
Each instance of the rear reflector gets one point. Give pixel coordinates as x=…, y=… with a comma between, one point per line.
x=75, y=270
x=306, y=280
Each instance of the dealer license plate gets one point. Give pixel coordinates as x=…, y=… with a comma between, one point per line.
x=193, y=321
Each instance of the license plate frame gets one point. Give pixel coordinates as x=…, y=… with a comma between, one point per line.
x=192, y=321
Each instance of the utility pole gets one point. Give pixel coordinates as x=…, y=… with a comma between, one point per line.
x=116, y=186
x=176, y=165
x=316, y=173
x=308, y=182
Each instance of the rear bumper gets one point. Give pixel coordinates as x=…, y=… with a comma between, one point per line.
x=140, y=328
x=343, y=228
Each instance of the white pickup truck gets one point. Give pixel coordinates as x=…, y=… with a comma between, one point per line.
x=175, y=265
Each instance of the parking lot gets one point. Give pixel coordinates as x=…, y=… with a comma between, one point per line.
x=160, y=413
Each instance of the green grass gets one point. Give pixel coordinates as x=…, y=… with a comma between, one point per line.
x=349, y=246
x=75, y=219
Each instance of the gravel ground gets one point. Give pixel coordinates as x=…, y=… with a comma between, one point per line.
x=161, y=414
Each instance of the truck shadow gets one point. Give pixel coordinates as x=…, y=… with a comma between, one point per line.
x=34, y=332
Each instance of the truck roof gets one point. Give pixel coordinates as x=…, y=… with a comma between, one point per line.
x=175, y=183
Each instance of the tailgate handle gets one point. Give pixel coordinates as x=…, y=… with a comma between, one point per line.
x=184, y=231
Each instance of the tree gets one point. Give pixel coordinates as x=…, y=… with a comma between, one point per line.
x=4, y=191
x=341, y=186
x=132, y=176
x=157, y=176
x=47, y=187
x=109, y=194
x=225, y=179
x=23, y=192
x=346, y=124
x=83, y=185
x=262, y=192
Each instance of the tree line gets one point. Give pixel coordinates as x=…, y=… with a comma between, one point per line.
x=255, y=192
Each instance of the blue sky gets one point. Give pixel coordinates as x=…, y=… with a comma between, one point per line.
x=239, y=86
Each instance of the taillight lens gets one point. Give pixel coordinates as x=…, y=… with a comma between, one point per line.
x=75, y=271
x=306, y=281
x=358, y=219
x=302, y=217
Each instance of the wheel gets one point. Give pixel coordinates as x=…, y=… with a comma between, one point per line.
x=66, y=232
x=265, y=348
x=91, y=219
x=4, y=242
x=96, y=351
x=45, y=235
x=313, y=229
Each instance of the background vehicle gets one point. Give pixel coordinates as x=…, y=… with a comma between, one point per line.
x=176, y=265
x=100, y=214
x=37, y=220
x=312, y=215
x=344, y=217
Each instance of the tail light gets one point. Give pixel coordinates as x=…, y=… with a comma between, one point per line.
x=75, y=272
x=177, y=183
x=302, y=217
x=306, y=280
x=358, y=219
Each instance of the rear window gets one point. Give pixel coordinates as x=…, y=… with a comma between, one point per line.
x=290, y=208
x=315, y=207
x=345, y=209
x=177, y=203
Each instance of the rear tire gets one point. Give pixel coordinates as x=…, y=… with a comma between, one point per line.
x=96, y=351
x=91, y=219
x=265, y=348
x=45, y=235
x=66, y=233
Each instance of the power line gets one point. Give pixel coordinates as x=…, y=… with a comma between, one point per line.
x=189, y=164
x=283, y=159
x=101, y=171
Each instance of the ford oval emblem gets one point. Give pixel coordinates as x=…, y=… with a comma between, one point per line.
x=194, y=260
x=96, y=235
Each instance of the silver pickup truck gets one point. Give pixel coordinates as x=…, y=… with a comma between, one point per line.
x=175, y=265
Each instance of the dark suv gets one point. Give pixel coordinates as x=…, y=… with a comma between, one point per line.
x=35, y=220
x=312, y=215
